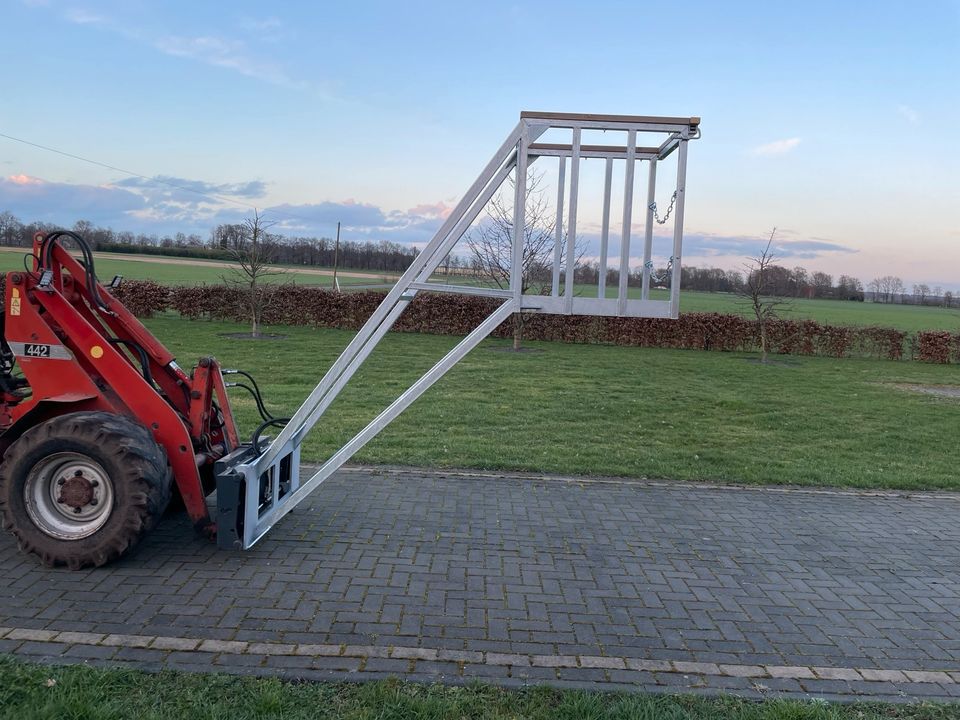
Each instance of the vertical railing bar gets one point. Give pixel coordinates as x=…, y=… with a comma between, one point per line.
x=519, y=214
x=558, y=228
x=605, y=230
x=648, y=230
x=570, y=264
x=678, y=225
x=627, y=221
x=274, y=475
x=251, y=493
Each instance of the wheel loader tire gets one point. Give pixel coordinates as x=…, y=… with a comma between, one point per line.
x=83, y=489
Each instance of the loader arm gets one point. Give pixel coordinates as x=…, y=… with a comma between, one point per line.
x=80, y=349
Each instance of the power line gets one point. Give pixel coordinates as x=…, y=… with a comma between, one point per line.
x=221, y=198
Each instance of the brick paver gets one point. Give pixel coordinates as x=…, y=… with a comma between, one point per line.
x=522, y=579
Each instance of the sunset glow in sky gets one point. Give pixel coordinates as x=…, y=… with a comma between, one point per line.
x=832, y=121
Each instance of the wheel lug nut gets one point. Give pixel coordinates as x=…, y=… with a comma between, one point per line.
x=78, y=473
x=94, y=483
x=61, y=481
x=60, y=500
x=77, y=510
x=93, y=501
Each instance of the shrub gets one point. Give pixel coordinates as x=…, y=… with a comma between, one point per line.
x=444, y=314
x=144, y=298
x=934, y=346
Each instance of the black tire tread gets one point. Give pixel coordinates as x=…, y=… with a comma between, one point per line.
x=144, y=469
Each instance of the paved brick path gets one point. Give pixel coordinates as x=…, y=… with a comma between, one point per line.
x=454, y=576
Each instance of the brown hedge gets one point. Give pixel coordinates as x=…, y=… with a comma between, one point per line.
x=459, y=314
x=938, y=346
x=144, y=298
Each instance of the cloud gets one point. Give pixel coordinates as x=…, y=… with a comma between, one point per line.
x=168, y=188
x=167, y=204
x=709, y=245
x=911, y=115
x=175, y=199
x=260, y=25
x=210, y=49
x=79, y=16
x=777, y=147
x=24, y=180
x=711, y=248
x=363, y=221
x=439, y=210
x=32, y=198
x=225, y=53
x=352, y=215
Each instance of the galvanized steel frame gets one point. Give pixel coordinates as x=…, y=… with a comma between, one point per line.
x=280, y=459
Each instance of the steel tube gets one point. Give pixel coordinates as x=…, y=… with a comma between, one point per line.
x=558, y=228
x=519, y=215
x=627, y=223
x=648, y=230
x=570, y=265
x=461, y=289
x=678, y=227
x=605, y=229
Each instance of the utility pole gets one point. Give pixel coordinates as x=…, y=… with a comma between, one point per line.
x=336, y=259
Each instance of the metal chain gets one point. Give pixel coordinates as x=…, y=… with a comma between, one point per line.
x=653, y=206
x=660, y=277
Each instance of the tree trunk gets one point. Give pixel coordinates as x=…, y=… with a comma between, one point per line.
x=517, y=331
x=254, y=304
x=763, y=341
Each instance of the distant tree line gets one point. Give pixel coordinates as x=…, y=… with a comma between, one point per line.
x=377, y=256
x=797, y=282
x=890, y=289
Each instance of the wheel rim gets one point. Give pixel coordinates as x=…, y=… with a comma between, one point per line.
x=68, y=496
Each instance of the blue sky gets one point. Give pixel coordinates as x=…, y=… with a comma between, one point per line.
x=832, y=121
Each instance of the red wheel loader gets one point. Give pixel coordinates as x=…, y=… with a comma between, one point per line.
x=99, y=426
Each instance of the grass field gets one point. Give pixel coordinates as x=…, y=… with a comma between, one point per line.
x=26, y=693
x=904, y=317
x=603, y=410
x=180, y=271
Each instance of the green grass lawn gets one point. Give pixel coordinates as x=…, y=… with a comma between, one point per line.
x=27, y=693
x=604, y=410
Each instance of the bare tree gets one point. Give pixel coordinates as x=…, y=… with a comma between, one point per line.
x=491, y=245
x=849, y=288
x=756, y=292
x=822, y=284
x=254, y=249
x=886, y=288
x=801, y=279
